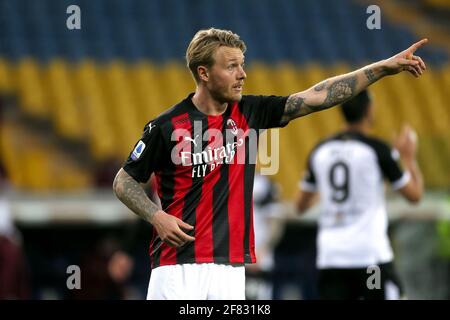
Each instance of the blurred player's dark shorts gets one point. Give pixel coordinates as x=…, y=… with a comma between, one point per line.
x=354, y=284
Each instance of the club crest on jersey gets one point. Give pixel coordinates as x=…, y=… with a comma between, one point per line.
x=137, y=152
x=231, y=125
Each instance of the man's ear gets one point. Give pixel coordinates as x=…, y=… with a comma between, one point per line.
x=203, y=73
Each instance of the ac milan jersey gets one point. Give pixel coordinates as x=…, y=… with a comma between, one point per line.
x=204, y=166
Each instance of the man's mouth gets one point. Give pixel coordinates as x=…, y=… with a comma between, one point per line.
x=237, y=87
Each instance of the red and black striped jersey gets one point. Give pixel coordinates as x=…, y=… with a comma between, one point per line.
x=204, y=166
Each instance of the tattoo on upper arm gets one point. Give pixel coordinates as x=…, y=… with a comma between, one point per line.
x=292, y=107
x=134, y=197
x=295, y=107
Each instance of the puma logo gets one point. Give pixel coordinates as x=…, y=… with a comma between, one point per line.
x=192, y=140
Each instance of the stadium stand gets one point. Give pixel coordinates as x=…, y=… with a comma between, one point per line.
x=99, y=85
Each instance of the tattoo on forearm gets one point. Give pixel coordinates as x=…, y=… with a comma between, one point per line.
x=321, y=85
x=134, y=197
x=370, y=75
x=337, y=92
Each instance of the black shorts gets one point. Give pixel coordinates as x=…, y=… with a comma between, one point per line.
x=360, y=283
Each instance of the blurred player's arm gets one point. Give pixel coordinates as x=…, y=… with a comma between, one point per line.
x=305, y=200
x=336, y=90
x=307, y=195
x=131, y=193
x=406, y=144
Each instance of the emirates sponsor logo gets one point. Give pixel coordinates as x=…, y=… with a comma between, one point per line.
x=205, y=151
x=223, y=154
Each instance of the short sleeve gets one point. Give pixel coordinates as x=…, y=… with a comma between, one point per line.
x=264, y=112
x=146, y=155
x=390, y=166
x=308, y=183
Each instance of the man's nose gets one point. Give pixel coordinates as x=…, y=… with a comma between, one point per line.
x=242, y=74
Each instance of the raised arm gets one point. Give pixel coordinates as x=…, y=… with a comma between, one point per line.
x=336, y=90
x=406, y=144
x=130, y=192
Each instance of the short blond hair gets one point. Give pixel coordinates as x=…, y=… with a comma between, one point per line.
x=205, y=43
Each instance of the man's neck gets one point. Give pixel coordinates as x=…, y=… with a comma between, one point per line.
x=361, y=127
x=205, y=102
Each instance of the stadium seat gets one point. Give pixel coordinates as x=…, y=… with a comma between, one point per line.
x=128, y=55
x=30, y=89
x=64, y=108
x=6, y=81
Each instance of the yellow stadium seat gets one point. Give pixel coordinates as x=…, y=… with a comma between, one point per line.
x=11, y=156
x=30, y=89
x=122, y=107
x=6, y=80
x=259, y=81
x=175, y=83
x=94, y=112
x=35, y=164
x=65, y=111
x=144, y=83
x=431, y=105
x=385, y=115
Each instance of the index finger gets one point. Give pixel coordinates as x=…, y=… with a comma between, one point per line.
x=418, y=44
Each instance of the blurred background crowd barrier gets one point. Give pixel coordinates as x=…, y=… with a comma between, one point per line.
x=74, y=102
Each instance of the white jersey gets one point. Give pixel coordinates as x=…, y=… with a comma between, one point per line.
x=348, y=170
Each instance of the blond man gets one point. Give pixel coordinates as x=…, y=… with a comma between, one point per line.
x=202, y=153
